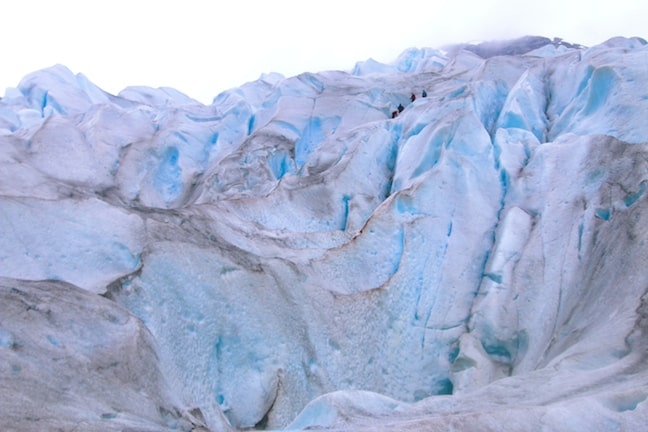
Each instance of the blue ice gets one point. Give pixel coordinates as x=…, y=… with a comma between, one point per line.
x=168, y=177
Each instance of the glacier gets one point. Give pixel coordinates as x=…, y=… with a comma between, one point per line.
x=292, y=257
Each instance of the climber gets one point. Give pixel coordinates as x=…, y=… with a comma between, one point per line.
x=424, y=94
x=394, y=113
x=400, y=108
x=413, y=97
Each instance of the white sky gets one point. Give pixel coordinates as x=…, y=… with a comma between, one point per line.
x=202, y=47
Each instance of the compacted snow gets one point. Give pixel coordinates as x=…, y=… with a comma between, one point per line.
x=294, y=255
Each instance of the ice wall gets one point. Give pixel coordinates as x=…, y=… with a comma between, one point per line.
x=293, y=247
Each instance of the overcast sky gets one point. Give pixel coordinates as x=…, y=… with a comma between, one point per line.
x=202, y=47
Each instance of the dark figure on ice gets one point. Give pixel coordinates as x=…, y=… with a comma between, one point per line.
x=424, y=94
x=400, y=108
x=413, y=97
x=394, y=113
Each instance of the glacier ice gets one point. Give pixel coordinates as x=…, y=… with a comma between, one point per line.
x=74, y=360
x=293, y=256
x=85, y=242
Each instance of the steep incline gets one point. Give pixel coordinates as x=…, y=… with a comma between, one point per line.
x=476, y=260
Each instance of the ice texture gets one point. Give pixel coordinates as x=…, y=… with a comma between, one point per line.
x=302, y=258
x=73, y=360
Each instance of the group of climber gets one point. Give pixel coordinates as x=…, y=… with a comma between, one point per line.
x=401, y=107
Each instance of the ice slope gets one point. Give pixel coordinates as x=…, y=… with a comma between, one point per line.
x=302, y=259
x=72, y=360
